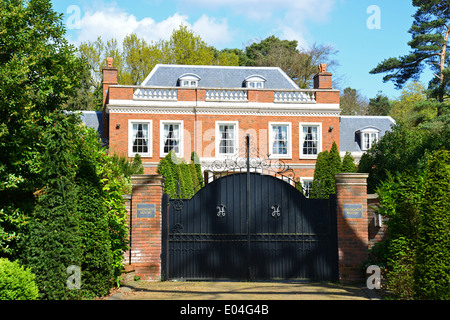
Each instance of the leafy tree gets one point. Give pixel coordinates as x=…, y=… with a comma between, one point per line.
x=379, y=106
x=35, y=60
x=430, y=34
x=299, y=64
x=57, y=207
x=403, y=109
x=352, y=103
x=137, y=57
x=38, y=73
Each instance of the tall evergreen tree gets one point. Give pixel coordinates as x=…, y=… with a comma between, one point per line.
x=53, y=240
x=321, y=184
x=430, y=34
x=348, y=163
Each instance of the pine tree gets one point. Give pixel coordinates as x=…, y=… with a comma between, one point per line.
x=430, y=34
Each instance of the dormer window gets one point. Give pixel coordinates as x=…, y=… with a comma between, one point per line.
x=188, y=80
x=255, y=82
x=367, y=137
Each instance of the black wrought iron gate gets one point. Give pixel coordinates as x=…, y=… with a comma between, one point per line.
x=248, y=226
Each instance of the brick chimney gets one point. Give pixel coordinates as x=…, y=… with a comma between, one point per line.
x=109, y=78
x=322, y=80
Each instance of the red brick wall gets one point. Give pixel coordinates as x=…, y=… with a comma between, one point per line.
x=327, y=97
x=260, y=96
x=376, y=233
x=352, y=233
x=120, y=93
x=146, y=232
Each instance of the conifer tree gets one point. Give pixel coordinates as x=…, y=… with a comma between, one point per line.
x=198, y=167
x=321, y=182
x=53, y=239
x=348, y=163
x=430, y=34
x=432, y=271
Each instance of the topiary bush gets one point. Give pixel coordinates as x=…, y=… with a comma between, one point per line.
x=16, y=282
x=348, y=163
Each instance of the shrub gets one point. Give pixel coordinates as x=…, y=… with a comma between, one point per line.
x=400, y=195
x=327, y=165
x=400, y=264
x=16, y=282
x=188, y=185
x=320, y=186
x=348, y=163
x=113, y=186
x=432, y=272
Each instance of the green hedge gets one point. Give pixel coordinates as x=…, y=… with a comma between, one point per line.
x=417, y=252
x=182, y=179
x=432, y=272
x=16, y=282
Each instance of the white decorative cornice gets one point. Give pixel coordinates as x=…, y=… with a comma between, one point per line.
x=221, y=108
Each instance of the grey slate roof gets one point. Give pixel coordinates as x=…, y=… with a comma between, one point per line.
x=94, y=120
x=351, y=124
x=218, y=76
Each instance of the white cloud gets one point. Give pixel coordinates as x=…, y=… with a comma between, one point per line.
x=315, y=10
x=287, y=18
x=113, y=22
x=213, y=31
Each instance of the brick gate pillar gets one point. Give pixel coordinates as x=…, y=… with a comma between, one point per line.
x=351, y=194
x=145, y=225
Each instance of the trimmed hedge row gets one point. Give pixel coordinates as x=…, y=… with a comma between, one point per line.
x=182, y=179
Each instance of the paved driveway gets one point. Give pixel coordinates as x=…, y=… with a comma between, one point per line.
x=204, y=290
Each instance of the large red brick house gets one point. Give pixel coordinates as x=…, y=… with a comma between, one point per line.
x=210, y=109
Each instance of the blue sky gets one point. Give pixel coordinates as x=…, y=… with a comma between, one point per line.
x=235, y=23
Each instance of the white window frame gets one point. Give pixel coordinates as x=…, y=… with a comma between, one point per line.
x=131, y=138
x=289, y=140
x=255, y=82
x=189, y=80
x=306, y=179
x=301, y=139
x=368, y=132
x=161, y=137
x=218, y=138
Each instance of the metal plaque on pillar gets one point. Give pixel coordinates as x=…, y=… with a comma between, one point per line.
x=353, y=211
x=145, y=210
